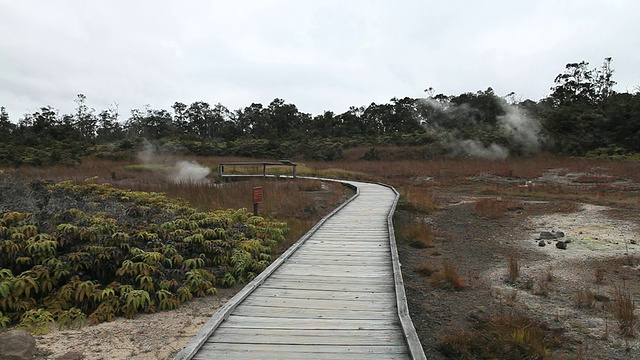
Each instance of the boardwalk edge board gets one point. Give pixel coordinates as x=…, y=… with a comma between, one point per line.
x=411, y=336
x=201, y=337
x=403, y=319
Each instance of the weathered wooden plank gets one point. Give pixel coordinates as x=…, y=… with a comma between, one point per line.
x=268, y=311
x=344, y=262
x=297, y=303
x=323, y=294
x=298, y=323
x=368, y=268
x=330, y=286
x=265, y=351
x=307, y=337
x=345, y=252
x=302, y=277
x=349, y=240
x=336, y=270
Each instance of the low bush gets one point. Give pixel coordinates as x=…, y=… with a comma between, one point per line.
x=91, y=252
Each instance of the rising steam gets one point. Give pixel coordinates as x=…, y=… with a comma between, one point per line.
x=189, y=171
x=182, y=171
x=475, y=148
x=521, y=131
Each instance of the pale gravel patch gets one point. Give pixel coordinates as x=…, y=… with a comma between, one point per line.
x=156, y=336
x=593, y=235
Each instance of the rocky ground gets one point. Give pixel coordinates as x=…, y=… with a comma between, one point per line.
x=601, y=253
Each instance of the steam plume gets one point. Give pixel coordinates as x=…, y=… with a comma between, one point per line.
x=182, y=171
x=521, y=129
x=477, y=149
x=189, y=171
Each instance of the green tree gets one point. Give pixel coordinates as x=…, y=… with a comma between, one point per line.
x=85, y=118
x=6, y=126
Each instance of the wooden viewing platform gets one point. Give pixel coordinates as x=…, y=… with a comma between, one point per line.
x=335, y=294
x=258, y=164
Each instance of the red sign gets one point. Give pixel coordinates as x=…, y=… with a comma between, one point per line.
x=257, y=194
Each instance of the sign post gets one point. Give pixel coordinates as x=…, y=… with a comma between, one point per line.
x=257, y=199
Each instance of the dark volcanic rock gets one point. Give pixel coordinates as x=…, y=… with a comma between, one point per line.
x=17, y=345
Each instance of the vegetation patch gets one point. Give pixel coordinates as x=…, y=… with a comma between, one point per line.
x=505, y=336
x=91, y=252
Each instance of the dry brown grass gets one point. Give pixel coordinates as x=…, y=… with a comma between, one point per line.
x=417, y=199
x=624, y=311
x=416, y=233
x=584, y=299
x=599, y=274
x=541, y=287
x=425, y=270
x=510, y=336
x=288, y=200
x=513, y=268
x=448, y=278
x=491, y=207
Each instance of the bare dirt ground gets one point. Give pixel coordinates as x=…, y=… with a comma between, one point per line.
x=602, y=253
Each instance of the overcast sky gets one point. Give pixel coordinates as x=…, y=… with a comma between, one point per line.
x=319, y=55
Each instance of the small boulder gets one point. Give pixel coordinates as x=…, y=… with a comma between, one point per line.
x=546, y=235
x=561, y=245
x=559, y=234
x=17, y=345
x=541, y=243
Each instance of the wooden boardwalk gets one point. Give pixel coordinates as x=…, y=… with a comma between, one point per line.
x=336, y=294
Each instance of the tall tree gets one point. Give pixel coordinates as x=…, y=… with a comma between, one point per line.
x=85, y=119
x=6, y=126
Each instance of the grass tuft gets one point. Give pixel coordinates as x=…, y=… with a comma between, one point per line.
x=623, y=310
x=417, y=199
x=505, y=336
x=448, y=278
x=425, y=270
x=415, y=233
x=513, y=268
x=584, y=299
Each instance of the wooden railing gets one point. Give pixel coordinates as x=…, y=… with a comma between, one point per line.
x=258, y=164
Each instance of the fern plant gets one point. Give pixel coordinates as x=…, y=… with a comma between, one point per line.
x=36, y=321
x=72, y=319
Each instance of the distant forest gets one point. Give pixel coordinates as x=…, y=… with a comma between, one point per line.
x=582, y=116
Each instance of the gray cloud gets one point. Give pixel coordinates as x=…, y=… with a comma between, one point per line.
x=319, y=55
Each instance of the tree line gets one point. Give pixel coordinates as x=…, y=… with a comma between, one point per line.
x=581, y=116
